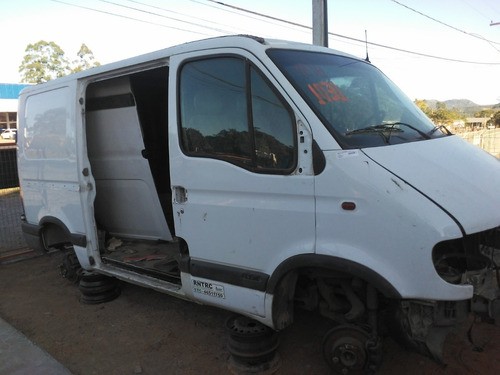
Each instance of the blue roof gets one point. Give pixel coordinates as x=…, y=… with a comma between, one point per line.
x=11, y=90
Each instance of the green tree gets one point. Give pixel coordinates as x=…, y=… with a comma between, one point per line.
x=441, y=115
x=484, y=113
x=85, y=60
x=422, y=104
x=43, y=61
x=496, y=119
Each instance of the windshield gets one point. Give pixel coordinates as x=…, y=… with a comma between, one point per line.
x=358, y=104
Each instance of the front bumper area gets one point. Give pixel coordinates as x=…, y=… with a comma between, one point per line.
x=474, y=260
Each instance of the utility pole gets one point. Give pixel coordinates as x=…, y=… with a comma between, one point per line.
x=320, y=23
x=494, y=23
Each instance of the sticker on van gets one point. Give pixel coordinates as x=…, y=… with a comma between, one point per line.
x=208, y=289
x=327, y=92
x=347, y=154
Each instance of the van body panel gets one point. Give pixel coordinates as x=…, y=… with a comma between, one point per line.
x=141, y=280
x=258, y=223
x=126, y=202
x=231, y=297
x=49, y=158
x=447, y=171
x=391, y=230
x=250, y=217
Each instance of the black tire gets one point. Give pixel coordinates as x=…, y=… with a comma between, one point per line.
x=251, y=344
x=96, y=288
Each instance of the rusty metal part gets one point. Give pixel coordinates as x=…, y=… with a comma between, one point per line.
x=349, y=349
x=145, y=258
x=70, y=267
x=357, y=306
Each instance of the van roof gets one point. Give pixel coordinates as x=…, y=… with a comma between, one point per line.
x=241, y=41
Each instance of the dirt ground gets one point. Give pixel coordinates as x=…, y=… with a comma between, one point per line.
x=146, y=332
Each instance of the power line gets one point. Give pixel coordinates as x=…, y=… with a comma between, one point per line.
x=257, y=13
x=262, y=16
x=358, y=40
x=490, y=4
x=445, y=24
x=129, y=18
x=477, y=10
x=159, y=15
x=245, y=11
x=179, y=13
x=418, y=53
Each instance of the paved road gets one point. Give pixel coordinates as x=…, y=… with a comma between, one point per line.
x=18, y=355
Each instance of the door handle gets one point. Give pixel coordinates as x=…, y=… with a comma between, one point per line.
x=180, y=194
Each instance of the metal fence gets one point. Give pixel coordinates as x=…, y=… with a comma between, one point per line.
x=487, y=139
x=12, y=245
x=8, y=167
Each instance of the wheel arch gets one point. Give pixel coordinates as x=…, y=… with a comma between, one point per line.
x=54, y=232
x=282, y=282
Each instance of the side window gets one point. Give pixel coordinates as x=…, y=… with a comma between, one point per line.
x=229, y=112
x=213, y=110
x=47, y=133
x=273, y=127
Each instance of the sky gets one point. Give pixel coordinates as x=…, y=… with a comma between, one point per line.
x=462, y=49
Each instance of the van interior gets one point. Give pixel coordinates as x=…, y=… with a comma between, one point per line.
x=126, y=133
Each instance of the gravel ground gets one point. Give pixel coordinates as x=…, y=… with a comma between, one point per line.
x=146, y=332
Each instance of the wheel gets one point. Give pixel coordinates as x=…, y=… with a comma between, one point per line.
x=70, y=267
x=252, y=346
x=349, y=349
x=96, y=288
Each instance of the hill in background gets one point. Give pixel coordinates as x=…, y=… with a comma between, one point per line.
x=465, y=106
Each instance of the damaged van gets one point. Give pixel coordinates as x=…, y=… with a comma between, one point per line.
x=262, y=176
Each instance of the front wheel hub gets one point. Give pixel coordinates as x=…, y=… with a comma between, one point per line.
x=345, y=350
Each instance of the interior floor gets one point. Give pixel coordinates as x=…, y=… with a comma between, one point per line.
x=154, y=258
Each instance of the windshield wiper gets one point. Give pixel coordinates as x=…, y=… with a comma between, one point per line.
x=390, y=127
x=379, y=129
x=436, y=128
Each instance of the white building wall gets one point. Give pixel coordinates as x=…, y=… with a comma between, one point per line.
x=8, y=105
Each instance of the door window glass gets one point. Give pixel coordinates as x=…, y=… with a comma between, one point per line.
x=228, y=111
x=273, y=126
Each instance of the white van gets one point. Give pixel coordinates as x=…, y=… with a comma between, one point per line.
x=261, y=176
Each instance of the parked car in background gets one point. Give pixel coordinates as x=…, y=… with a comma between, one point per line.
x=9, y=134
